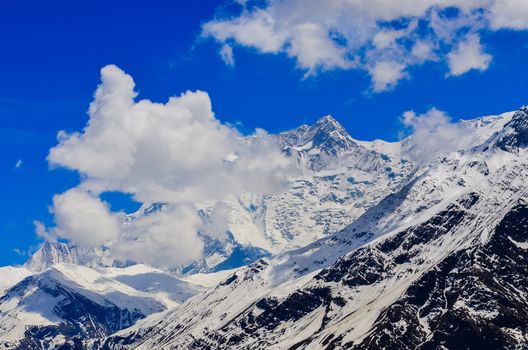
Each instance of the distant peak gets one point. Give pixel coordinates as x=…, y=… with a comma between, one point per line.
x=328, y=119
x=326, y=135
x=49, y=254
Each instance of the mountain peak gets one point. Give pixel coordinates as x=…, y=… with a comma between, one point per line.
x=329, y=124
x=327, y=119
x=49, y=254
x=330, y=136
x=326, y=134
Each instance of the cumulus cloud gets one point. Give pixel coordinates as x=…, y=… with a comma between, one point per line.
x=382, y=37
x=172, y=152
x=386, y=74
x=175, y=152
x=468, y=55
x=83, y=218
x=432, y=134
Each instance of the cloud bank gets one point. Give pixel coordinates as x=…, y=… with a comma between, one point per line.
x=176, y=153
x=381, y=37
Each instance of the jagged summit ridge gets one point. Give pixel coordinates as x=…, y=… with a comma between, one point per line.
x=326, y=135
x=50, y=254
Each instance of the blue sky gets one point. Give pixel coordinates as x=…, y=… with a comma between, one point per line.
x=52, y=53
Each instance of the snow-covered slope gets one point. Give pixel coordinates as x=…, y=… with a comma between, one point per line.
x=68, y=301
x=11, y=275
x=352, y=245
x=168, y=287
x=61, y=305
x=440, y=263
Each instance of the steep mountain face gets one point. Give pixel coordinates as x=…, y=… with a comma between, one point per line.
x=339, y=179
x=326, y=144
x=439, y=264
x=515, y=133
x=473, y=299
x=326, y=136
x=11, y=275
x=50, y=254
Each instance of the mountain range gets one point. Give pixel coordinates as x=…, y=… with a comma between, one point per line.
x=365, y=249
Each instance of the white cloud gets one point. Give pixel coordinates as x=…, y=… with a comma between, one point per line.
x=166, y=238
x=423, y=50
x=386, y=38
x=432, y=134
x=312, y=49
x=176, y=153
x=255, y=29
x=362, y=34
x=226, y=53
x=20, y=252
x=216, y=221
x=511, y=14
x=386, y=74
x=42, y=232
x=468, y=55
x=83, y=218
x=173, y=152
x=18, y=164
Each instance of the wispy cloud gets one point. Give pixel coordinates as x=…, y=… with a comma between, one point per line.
x=381, y=37
x=226, y=53
x=18, y=164
x=20, y=252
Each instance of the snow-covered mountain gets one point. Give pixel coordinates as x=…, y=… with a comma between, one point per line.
x=363, y=250
x=50, y=254
x=66, y=302
x=317, y=203
x=441, y=263
x=67, y=306
x=339, y=179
